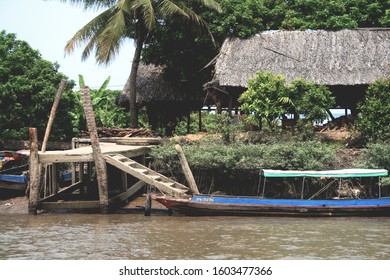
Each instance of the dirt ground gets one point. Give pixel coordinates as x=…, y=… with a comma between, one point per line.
x=16, y=205
x=19, y=205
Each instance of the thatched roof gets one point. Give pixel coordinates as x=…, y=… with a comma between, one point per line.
x=152, y=87
x=346, y=57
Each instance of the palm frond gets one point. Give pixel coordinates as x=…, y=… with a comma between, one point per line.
x=168, y=8
x=211, y=4
x=147, y=12
x=198, y=20
x=88, y=32
x=88, y=48
x=92, y=4
x=109, y=41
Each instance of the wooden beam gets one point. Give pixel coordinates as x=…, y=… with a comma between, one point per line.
x=54, y=183
x=125, y=186
x=63, y=157
x=70, y=205
x=125, y=195
x=53, y=114
x=100, y=163
x=186, y=170
x=35, y=182
x=68, y=189
x=85, y=154
x=125, y=140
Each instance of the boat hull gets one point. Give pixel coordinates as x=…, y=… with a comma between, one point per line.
x=207, y=205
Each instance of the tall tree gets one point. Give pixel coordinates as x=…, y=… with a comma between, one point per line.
x=28, y=85
x=129, y=19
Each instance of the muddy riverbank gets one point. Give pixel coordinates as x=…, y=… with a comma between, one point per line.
x=19, y=205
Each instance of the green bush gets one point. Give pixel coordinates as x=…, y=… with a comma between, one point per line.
x=214, y=154
x=374, y=117
x=376, y=155
x=269, y=97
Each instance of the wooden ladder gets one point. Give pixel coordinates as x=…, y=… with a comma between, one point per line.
x=147, y=175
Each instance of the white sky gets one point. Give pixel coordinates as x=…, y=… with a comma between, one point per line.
x=48, y=25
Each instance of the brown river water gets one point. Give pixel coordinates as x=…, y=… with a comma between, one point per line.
x=134, y=236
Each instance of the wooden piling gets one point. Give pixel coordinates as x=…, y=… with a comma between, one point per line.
x=52, y=182
x=186, y=170
x=52, y=114
x=34, y=183
x=100, y=163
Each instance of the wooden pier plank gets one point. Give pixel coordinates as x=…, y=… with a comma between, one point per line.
x=147, y=175
x=84, y=154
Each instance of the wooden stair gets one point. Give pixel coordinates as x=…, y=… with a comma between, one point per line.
x=147, y=175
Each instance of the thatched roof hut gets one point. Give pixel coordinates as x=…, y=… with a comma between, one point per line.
x=165, y=101
x=346, y=57
x=153, y=88
x=346, y=61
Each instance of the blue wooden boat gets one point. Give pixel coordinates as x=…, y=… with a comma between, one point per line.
x=357, y=202
x=13, y=173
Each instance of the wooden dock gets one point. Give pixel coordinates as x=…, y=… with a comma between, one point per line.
x=126, y=169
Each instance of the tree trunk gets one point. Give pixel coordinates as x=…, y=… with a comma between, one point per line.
x=100, y=163
x=53, y=114
x=130, y=89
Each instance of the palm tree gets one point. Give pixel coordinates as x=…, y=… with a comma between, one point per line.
x=129, y=19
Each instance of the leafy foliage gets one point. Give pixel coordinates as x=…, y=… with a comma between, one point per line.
x=310, y=99
x=376, y=155
x=28, y=85
x=335, y=14
x=213, y=154
x=264, y=97
x=269, y=97
x=107, y=114
x=374, y=117
x=248, y=17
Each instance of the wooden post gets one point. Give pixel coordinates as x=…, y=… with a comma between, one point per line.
x=73, y=163
x=186, y=170
x=100, y=163
x=47, y=133
x=52, y=114
x=200, y=120
x=54, y=182
x=34, y=182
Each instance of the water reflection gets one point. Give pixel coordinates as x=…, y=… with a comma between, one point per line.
x=133, y=236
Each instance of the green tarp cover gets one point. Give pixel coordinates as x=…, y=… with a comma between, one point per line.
x=342, y=173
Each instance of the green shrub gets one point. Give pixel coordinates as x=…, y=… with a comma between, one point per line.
x=239, y=156
x=376, y=155
x=374, y=117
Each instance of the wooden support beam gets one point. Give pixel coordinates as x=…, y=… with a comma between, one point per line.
x=186, y=170
x=68, y=189
x=95, y=204
x=125, y=186
x=54, y=181
x=100, y=163
x=34, y=184
x=125, y=195
x=53, y=114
